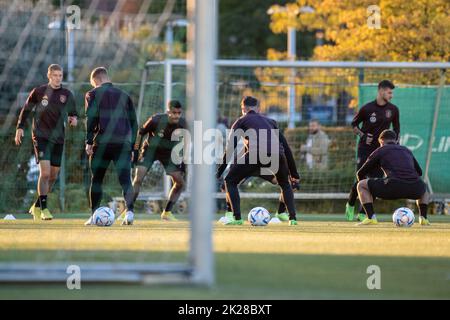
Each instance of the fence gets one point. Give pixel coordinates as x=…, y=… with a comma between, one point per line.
x=329, y=92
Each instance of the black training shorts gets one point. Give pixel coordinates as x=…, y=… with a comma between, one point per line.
x=392, y=189
x=147, y=156
x=46, y=150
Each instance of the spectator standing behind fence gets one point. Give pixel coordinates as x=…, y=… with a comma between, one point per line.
x=315, y=150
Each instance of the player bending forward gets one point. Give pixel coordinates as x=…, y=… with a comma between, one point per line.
x=253, y=123
x=159, y=146
x=402, y=178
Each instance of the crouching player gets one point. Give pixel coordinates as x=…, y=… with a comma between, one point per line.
x=402, y=178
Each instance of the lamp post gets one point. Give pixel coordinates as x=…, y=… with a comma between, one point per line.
x=291, y=53
x=169, y=34
x=67, y=48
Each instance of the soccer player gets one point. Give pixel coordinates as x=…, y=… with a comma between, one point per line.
x=375, y=117
x=50, y=104
x=402, y=178
x=294, y=178
x=159, y=146
x=255, y=122
x=111, y=128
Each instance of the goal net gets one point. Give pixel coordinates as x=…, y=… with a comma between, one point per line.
x=297, y=94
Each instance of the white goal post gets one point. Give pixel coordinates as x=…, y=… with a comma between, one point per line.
x=199, y=269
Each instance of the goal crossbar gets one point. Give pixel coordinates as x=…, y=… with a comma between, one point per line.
x=311, y=64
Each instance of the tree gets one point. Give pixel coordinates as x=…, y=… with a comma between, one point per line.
x=244, y=29
x=410, y=30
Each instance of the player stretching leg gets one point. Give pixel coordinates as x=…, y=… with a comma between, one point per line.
x=402, y=180
x=50, y=104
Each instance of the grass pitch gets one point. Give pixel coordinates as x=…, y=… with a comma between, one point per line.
x=324, y=257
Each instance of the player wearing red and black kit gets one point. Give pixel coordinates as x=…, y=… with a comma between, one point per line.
x=160, y=129
x=50, y=105
x=376, y=116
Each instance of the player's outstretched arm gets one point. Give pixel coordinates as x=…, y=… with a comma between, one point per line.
x=231, y=146
x=23, y=116
x=371, y=162
x=92, y=118
x=290, y=158
x=356, y=121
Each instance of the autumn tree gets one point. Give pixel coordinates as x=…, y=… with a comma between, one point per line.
x=408, y=31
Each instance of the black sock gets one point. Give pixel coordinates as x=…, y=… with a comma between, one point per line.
x=43, y=200
x=353, y=195
x=169, y=206
x=281, y=207
x=368, y=207
x=423, y=208
x=37, y=204
x=229, y=209
x=233, y=196
x=361, y=209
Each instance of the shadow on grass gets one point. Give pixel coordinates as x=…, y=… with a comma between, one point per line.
x=254, y=276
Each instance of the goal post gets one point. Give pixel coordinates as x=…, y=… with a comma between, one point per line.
x=199, y=267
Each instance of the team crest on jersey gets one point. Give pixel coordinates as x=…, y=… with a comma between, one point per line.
x=44, y=101
x=373, y=117
x=388, y=113
x=161, y=133
x=62, y=98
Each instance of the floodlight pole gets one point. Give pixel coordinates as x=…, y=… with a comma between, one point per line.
x=201, y=91
x=433, y=128
x=291, y=46
x=64, y=50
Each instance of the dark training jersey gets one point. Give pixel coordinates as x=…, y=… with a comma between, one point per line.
x=110, y=116
x=257, y=121
x=50, y=108
x=160, y=132
x=395, y=160
x=375, y=119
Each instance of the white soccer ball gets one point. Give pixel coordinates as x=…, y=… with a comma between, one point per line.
x=403, y=217
x=259, y=216
x=103, y=217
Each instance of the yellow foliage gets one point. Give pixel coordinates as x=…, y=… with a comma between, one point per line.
x=410, y=30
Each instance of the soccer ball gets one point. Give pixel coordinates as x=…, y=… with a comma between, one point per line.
x=259, y=216
x=403, y=217
x=103, y=217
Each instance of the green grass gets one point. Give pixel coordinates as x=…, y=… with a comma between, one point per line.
x=323, y=257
